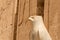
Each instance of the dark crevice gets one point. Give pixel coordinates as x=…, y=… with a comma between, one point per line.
x=40, y=7
x=15, y=21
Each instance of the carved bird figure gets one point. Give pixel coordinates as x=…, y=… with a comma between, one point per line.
x=39, y=31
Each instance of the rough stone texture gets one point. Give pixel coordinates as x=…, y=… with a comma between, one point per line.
x=54, y=19
x=7, y=11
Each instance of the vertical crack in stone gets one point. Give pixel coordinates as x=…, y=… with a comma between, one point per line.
x=40, y=7
x=15, y=21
